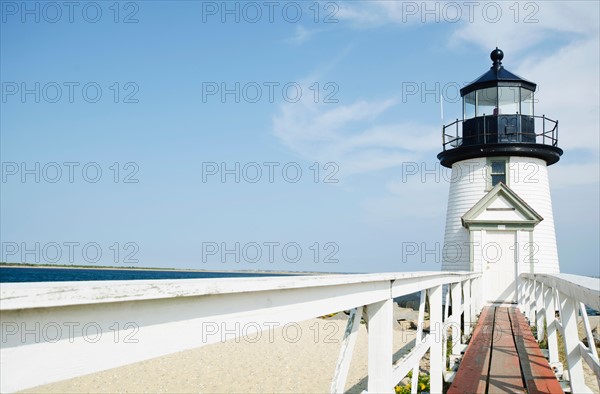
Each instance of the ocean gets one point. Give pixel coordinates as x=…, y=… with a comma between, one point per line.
x=32, y=274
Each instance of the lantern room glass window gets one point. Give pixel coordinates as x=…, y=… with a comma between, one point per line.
x=526, y=102
x=508, y=100
x=487, y=100
x=498, y=100
x=469, y=106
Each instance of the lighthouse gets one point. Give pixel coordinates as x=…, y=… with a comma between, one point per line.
x=499, y=219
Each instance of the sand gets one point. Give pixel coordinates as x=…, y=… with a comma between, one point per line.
x=283, y=362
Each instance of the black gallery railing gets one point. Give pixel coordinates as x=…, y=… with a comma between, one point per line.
x=499, y=129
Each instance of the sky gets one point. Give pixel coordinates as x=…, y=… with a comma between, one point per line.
x=288, y=136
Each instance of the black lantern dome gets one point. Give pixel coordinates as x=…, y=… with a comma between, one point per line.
x=499, y=120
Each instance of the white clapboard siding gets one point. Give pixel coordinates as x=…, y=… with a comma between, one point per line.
x=467, y=187
x=528, y=178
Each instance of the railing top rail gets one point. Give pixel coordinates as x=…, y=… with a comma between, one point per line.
x=542, y=117
x=583, y=288
x=53, y=294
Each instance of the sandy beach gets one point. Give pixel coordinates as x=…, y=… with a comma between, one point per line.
x=300, y=359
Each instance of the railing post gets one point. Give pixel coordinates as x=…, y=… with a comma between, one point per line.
x=419, y=339
x=456, y=312
x=532, y=302
x=539, y=311
x=484, y=130
x=568, y=319
x=436, y=365
x=544, y=129
x=380, y=346
x=457, y=130
x=525, y=300
x=477, y=296
x=444, y=329
x=523, y=294
x=550, y=324
x=444, y=137
x=520, y=280
x=468, y=308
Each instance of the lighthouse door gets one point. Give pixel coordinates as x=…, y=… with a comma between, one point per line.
x=500, y=268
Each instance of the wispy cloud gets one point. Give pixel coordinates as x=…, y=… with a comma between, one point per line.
x=567, y=73
x=569, y=91
x=302, y=34
x=525, y=26
x=517, y=25
x=371, y=14
x=351, y=134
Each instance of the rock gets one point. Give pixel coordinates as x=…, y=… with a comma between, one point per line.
x=403, y=314
x=426, y=325
x=596, y=337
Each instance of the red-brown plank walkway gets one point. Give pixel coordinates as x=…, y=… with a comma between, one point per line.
x=503, y=357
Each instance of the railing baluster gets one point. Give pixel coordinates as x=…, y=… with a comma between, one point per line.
x=456, y=312
x=437, y=344
x=551, y=325
x=419, y=339
x=588, y=330
x=590, y=338
x=539, y=311
x=568, y=319
x=345, y=357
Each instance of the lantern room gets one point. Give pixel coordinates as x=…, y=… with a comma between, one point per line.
x=499, y=119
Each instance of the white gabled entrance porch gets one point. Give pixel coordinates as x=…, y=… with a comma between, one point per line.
x=501, y=227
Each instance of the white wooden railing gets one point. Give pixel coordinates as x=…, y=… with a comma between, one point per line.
x=541, y=296
x=59, y=330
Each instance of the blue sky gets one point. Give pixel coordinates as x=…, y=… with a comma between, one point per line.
x=346, y=92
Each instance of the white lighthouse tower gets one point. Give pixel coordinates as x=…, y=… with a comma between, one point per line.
x=499, y=219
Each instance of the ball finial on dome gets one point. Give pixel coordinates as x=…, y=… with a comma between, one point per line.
x=497, y=55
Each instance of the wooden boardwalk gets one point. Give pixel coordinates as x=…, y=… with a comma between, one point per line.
x=503, y=357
